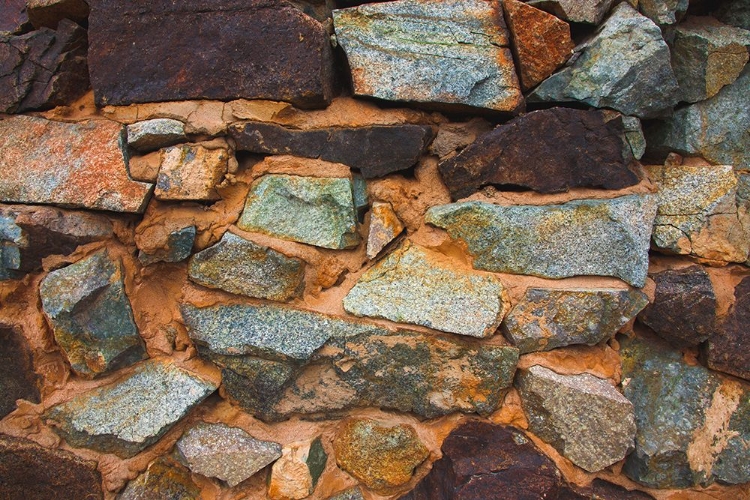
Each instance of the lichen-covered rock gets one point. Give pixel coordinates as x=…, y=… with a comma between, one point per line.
x=49, y=13
x=89, y=168
x=150, y=135
x=126, y=416
x=191, y=172
x=384, y=228
x=91, y=316
x=449, y=52
x=238, y=265
x=178, y=245
x=295, y=475
x=17, y=377
x=226, y=453
x=548, y=318
x=582, y=416
x=663, y=12
x=584, y=237
x=316, y=211
x=626, y=67
x=577, y=11
x=380, y=456
x=164, y=478
x=728, y=349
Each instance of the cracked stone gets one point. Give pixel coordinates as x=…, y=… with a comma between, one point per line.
x=150, y=135
x=164, y=478
x=577, y=11
x=17, y=377
x=385, y=226
x=728, y=349
x=191, y=172
x=295, y=475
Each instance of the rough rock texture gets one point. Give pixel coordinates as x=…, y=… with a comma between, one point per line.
x=91, y=316
x=728, y=349
x=295, y=474
x=735, y=13
x=163, y=479
x=17, y=377
x=128, y=415
x=585, y=237
x=451, y=52
x=375, y=151
x=541, y=42
x=692, y=423
x=663, y=12
x=379, y=456
x=238, y=265
x=261, y=49
x=626, y=67
x=316, y=211
x=191, y=172
x=29, y=471
x=226, y=453
x=350, y=494
x=13, y=16
x=634, y=136
x=89, y=170
x=684, y=307
x=454, y=137
x=582, y=416
x=50, y=13
x=150, y=135
x=42, y=69
x=577, y=11
x=703, y=211
x=384, y=228
x=177, y=247
x=548, y=151
x=548, y=318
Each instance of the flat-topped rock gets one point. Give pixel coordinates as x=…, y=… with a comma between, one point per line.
x=385, y=226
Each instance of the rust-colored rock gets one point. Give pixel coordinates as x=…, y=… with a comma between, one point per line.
x=225, y=49
x=191, y=172
x=541, y=42
x=384, y=227
x=17, y=377
x=728, y=350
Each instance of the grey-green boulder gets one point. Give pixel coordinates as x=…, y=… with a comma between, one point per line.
x=663, y=12
x=577, y=11
x=735, y=13
x=150, y=135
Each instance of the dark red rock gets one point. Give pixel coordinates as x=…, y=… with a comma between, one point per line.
x=728, y=350
x=31, y=472
x=376, y=151
x=162, y=50
x=549, y=151
x=684, y=307
x=49, y=13
x=17, y=377
x=13, y=16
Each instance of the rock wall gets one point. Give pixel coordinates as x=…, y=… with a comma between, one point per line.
x=419, y=249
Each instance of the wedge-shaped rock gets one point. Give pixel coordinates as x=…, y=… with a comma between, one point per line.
x=384, y=228
x=728, y=349
x=582, y=416
x=626, y=67
x=128, y=415
x=164, y=478
x=548, y=318
x=17, y=377
x=415, y=285
x=316, y=211
x=150, y=135
x=585, y=237
x=449, y=52
x=295, y=475
x=577, y=11
x=191, y=172
x=73, y=164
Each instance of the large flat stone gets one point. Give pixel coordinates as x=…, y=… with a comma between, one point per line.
x=585, y=237
x=449, y=52
x=17, y=377
x=728, y=349
x=72, y=164
x=258, y=49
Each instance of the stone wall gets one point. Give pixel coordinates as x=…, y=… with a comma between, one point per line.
x=420, y=249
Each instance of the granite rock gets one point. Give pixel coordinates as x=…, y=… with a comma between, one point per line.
x=49, y=13
x=584, y=237
x=634, y=135
x=17, y=377
x=663, y=12
x=177, y=247
x=191, y=172
x=577, y=11
x=354, y=493
x=150, y=135
x=295, y=475
x=453, y=52
x=164, y=479
x=13, y=17
x=735, y=13
x=384, y=228
x=728, y=349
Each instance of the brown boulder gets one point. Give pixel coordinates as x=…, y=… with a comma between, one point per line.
x=728, y=350
x=17, y=377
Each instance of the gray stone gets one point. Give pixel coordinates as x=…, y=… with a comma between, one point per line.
x=547, y=318
x=634, y=136
x=625, y=66
x=581, y=416
x=349, y=494
x=177, y=247
x=584, y=237
x=91, y=316
x=191, y=172
x=164, y=479
x=416, y=285
x=226, y=453
x=577, y=11
x=385, y=226
x=735, y=13
x=128, y=415
x=150, y=135
x=316, y=211
x=451, y=52
x=663, y=12
x=295, y=475
x=238, y=265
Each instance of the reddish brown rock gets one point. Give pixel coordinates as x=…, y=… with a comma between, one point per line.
x=49, y=13
x=541, y=42
x=226, y=49
x=728, y=350
x=17, y=377
x=13, y=16
x=548, y=151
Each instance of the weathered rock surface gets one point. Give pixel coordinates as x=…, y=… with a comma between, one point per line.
x=350, y=494
x=263, y=49
x=89, y=170
x=577, y=11
x=13, y=16
x=17, y=377
x=31, y=472
x=728, y=349
x=454, y=137
x=582, y=416
x=295, y=475
x=128, y=415
x=49, y=13
x=238, y=265
x=191, y=172
x=541, y=42
x=634, y=136
x=150, y=135
x=226, y=453
x=177, y=246
x=585, y=237
x=548, y=318
x=316, y=211
x=692, y=423
x=42, y=69
x=164, y=478
x=735, y=13
x=91, y=316
x=379, y=456
x=450, y=52
x=384, y=228
x=703, y=211
x=625, y=66
x=684, y=308
x=548, y=151
x=663, y=12
x=375, y=151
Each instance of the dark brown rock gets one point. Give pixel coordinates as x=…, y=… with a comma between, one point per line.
x=13, y=16
x=684, y=307
x=43, y=69
x=728, y=350
x=17, y=377
x=49, y=13
x=549, y=151
x=604, y=490
x=227, y=49
x=376, y=151
x=31, y=472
